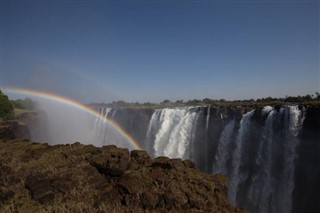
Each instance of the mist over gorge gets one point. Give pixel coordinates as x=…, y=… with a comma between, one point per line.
x=269, y=154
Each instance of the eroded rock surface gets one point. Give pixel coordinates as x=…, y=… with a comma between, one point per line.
x=75, y=178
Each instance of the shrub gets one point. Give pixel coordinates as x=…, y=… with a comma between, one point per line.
x=6, y=107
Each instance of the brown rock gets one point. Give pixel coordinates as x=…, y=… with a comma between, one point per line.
x=98, y=181
x=130, y=185
x=141, y=157
x=112, y=162
x=189, y=164
x=5, y=195
x=40, y=187
x=62, y=185
x=162, y=162
x=149, y=199
x=175, y=198
x=159, y=175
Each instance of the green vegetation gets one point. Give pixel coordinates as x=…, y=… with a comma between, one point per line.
x=26, y=104
x=310, y=100
x=6, y=107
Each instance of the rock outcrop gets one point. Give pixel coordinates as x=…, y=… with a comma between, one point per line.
x=12, y=129
x=84, y=178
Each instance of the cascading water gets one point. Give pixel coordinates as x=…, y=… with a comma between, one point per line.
x=222, y=155
x=208, y=118
x=173, y=129
x=235, y=176
x=256, y=150
x=259, y=193
x=293, y=118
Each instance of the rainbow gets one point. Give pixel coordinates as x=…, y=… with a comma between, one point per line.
x=77, y=105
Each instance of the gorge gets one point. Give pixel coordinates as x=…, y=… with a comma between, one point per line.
x=269, y=154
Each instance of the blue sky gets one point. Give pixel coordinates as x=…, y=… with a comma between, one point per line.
x=101, y=51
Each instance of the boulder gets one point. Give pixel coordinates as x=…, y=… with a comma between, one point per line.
x=112, y=162
x=40, y=187
x=140, y=157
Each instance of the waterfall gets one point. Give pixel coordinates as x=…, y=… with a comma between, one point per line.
x=260, y=191
x=152, y=129
x=172, y=131
x=169, y=118
x=181, y=136
x=222, y=156
x=257, y=153
x=235, y=176
x=207, y=119
x=293, y=118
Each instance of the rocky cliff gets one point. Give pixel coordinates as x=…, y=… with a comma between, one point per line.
x=37, y=177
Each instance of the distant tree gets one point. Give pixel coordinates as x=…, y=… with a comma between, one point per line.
x=6, y=107
x=194, y=102
x=166, y=101
x=179, y=102
x=207, y=101
x=26, y=103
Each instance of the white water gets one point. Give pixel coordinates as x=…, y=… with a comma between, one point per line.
x=173, y=130
x=262, y=185
x=180, y=136
x=235, y=176
x=222, y=156
x=293, y=122
x=208, y=118
x=169, y=118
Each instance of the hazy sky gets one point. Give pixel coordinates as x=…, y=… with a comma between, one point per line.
x=100, y=51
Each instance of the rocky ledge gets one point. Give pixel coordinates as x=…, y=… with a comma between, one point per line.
x=37, y=177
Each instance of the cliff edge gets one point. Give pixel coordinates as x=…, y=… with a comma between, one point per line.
x=37, y=177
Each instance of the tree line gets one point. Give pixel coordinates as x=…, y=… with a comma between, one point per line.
x=307, y=100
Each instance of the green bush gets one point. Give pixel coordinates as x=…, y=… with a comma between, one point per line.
x=6, y=107
x=26, y=103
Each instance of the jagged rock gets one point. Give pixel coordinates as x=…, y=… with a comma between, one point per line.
x=110, y=196
x=95, y=179
x=175, y=198
x=162, y=162
x=159, y=175
x=12, y=129
x=130, y=185
x=62, y=185
x=5, y=195
x=166, y=163
x=149, y=199
x=140, y=157
x=189, y=164
x=98, y=181
x=113, y=161
x=40, y=188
